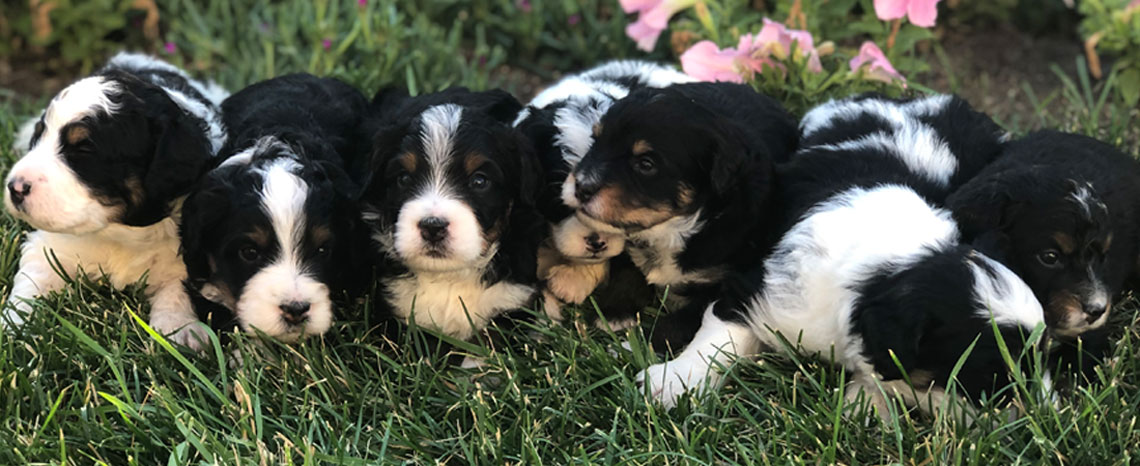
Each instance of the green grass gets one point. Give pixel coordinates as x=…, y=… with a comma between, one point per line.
x=85, y=382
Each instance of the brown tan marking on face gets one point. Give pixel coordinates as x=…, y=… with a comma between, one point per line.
x=408, y=161
x=685, y=195
x=76, y=134
x=1062, y=309
x=597, y=129
x=135, y=192
x=259, y=236
x=473, y=161
x=1065, y=242
x=320, y=234
x=641, y=147
x=608, y=208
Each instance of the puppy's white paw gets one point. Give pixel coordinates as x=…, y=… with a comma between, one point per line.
x=666, y=382
x=551, y=306
x=189, y=333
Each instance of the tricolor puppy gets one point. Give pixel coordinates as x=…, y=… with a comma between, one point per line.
x=868, y=272
x=685, y=172
x=451, y=206
x=560, y=122
x=106, y=167
x=268, y=235
x=1064, y=209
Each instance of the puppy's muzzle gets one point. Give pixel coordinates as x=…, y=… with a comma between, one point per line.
x=584, y=191
x=595, y=244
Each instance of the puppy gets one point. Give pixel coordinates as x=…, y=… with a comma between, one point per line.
x=576, y=259
x=108, y=162
x=451, y=207
x=869, y=270
x=685, y=172
x=269, y=234
x=1063, y=209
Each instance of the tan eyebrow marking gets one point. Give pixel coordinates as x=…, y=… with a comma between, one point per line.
x=641, y=147
x=1065, y=242
x=76, y=133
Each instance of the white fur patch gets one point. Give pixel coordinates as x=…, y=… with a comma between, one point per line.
x=455, y=303
x=915, y=144
x=809, y=287
x=1004, y=295
x=655, y=251
x=696, y=368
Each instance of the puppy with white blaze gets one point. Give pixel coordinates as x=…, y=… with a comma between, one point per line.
x=106, y=168
x=870, y=272
x=269, y=234
x=575, y=261
x=451, y=206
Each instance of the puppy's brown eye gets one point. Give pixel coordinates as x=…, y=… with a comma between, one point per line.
x=404, y=180
x=249, y=254
x=1049, y=258
x=479, y=182
x=645, y=166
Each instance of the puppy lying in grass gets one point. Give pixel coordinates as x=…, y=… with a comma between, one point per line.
x=107, y=166
x=269, y=236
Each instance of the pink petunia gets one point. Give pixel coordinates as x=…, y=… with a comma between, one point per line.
x=878, y=67
x=920, y=12
x=753, y=54
x=170, y=48
x=653, y=17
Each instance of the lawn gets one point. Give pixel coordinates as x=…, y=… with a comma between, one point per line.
x=86, y=381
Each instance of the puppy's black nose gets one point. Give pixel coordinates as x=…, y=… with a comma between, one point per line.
x=585, y=191
x=595, y=244
x=433, y=229
x=18, y=189
x=295, y=312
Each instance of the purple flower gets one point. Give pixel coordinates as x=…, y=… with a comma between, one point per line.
x=524, y=5
x=574, y=19
x=326, y=43
x=482, y=60
x=361, y=3
x=170, y=48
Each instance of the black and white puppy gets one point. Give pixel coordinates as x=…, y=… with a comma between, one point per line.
x=106, y=167
x=560, y=122
x=1064, y=209
x=869, y=270
x=269, y=234
x=685, y=172
x=451, y=206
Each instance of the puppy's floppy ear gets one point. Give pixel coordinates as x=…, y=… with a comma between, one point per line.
x=498, y=103
x=731, y=158
x=182, y=154
x=202, y=211
x=986, y=203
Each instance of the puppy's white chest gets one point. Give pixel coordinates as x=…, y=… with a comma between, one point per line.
x=123, y=254
x=456, y=306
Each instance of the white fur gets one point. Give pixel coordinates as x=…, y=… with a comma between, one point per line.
x=715, y=344
x=455, y=303
x=286, y=279
x=1005, y=296
x=24, y=136
x=123, y=254
x=915, y=144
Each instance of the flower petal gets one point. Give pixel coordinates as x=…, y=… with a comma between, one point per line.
x=630, y=6
x=659, y=15
x=880, y=68
x=644, y=34
x=922, y=12
x=887, y=10
x=705, y=62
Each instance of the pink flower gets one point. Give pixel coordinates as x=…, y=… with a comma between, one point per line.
x=361, y=3
x=778, y=40
x=524, y=5
x=574, y=19
x=170, y=48
x=920, y=12
x=705, y=62
x=326, y=43
x=653, y=16
x=880, y=68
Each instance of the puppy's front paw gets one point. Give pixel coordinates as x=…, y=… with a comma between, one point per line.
x=573, y=283
x=666, y=382
x=189, y=333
